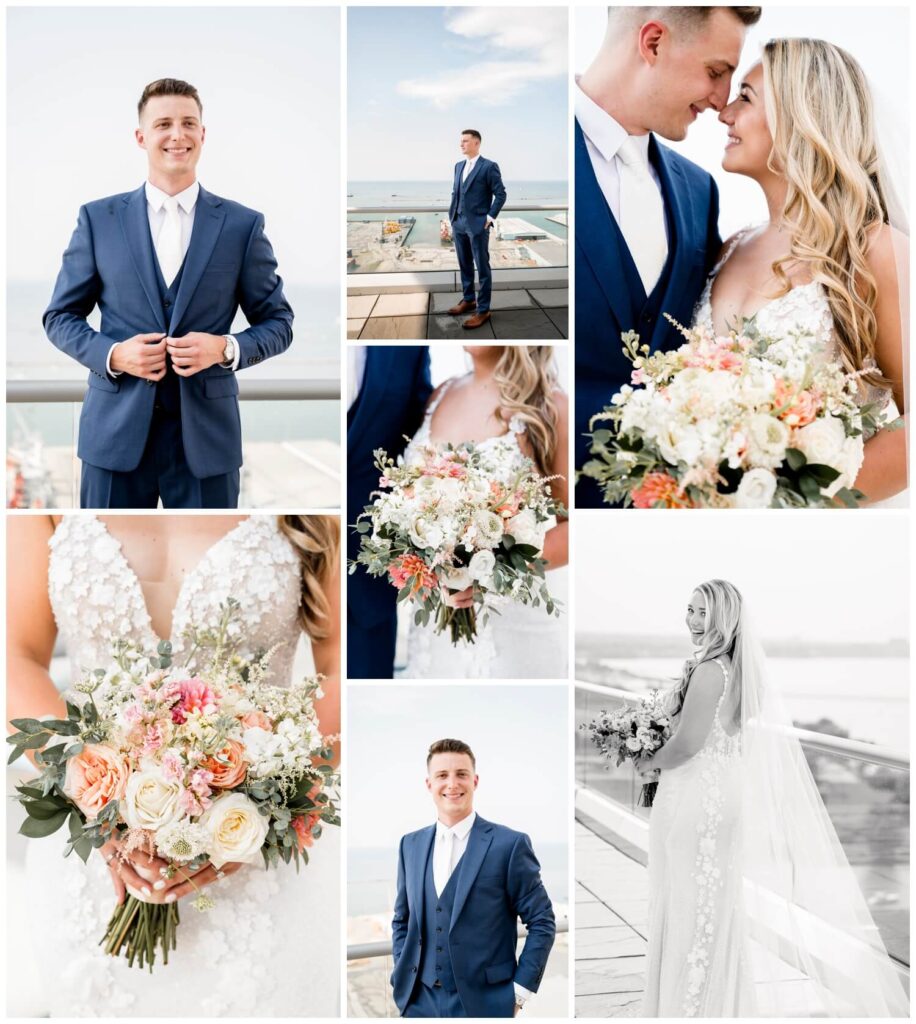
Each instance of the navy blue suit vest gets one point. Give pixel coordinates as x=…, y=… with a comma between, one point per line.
x=435, y=958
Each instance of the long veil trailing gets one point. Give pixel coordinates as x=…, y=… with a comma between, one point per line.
x=815, y=949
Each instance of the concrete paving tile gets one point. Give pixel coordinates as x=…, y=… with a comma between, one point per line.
x=360, y=305
x=604, y=943
x=560, y=319
x=448, y=328
x=395, y=327
x=550, y=297
x=524, y=325
x=401, y=304
x=355, y=326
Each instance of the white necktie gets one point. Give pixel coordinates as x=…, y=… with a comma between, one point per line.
x=467, y=170
x=642, y=214
x=442, y=868
x=168, y=245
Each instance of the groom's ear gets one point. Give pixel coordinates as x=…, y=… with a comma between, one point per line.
x=649, y=39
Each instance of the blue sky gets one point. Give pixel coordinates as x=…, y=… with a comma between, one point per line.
x=418, y=75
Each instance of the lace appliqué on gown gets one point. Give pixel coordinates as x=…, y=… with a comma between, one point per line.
x=696, y=964
x=518, y=641
x=803, y=310
x=269, y=946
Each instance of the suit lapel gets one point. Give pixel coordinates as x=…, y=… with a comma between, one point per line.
x=208, y=222
x=473, y=173
x=417, y=878
x=600, y=239
x=478, y=843
x=378, y=366
x=135, y=225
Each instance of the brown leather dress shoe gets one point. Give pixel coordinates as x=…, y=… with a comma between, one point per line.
x=477, y=320
x=463, y=307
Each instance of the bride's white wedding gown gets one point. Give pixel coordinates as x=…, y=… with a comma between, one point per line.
x=695, y=961
x=521, y=642
x=270, y=947
x=806, y=310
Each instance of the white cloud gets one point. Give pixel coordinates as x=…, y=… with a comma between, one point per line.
x=534, y=37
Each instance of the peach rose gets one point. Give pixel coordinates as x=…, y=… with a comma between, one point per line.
x=95, y=776
x=229, y=768
x=302, y=827
x=797, y=409
x=257, y=720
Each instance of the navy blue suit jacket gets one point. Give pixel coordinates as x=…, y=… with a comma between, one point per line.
x=484, y=194
x=391, y=403
x=498, y=882
x=610, y=298
x=110, y=263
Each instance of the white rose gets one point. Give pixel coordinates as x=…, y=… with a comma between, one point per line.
x=822, y=441
x=457, y=578
x=259, y=745
x=524, y=529
x=756, y=489
x=482, y=565
x=767, y=440
x=150, y=802
x=237, y=830
x=424, y=534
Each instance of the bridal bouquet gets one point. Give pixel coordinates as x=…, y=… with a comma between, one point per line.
x=209, y=765
x=740, y=421
x=633, y=732
x=451, y=518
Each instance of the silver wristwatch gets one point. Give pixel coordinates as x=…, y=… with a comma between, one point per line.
x=230, y=351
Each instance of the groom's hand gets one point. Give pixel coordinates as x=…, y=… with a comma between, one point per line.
x=195, y=352
x=143, y=355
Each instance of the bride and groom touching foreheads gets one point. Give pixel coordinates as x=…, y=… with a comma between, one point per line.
x=510, y=404
x=827, y=261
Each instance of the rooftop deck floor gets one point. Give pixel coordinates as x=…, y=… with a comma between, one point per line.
x=518, y=314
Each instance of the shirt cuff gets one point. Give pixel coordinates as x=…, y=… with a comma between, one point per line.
x=238, y=353
x=521, y=994
x=112, y=373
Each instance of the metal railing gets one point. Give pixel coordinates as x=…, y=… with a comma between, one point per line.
x=824, y=743
x=368, y=950
x=526, y=208
x=38, y=391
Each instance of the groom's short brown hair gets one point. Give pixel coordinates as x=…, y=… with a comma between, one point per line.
x=690, y=18
x=450, y=747
x=472, y=131
x=168, y=87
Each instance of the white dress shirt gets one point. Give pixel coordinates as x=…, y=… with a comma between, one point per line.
x=450, y=844
x=356, y=370
x=603, y=138
x=156, y=213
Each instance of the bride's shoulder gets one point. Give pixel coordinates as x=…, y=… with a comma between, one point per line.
x=710, y=675
x=439, y=391
x=735, y=240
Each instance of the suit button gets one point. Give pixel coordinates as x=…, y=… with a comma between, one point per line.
x=438, y=910
x=167, y=303
x=414, y=970
x=438, y=949
x=438, y=929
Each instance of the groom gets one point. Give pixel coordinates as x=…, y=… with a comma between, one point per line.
x=478, y=194
x=646, y=218
x=168, y=266
x=387, y=391
x=463, y=883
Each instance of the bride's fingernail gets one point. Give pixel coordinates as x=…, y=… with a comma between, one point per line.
x=170, y=898
x=159, y=885
x=145, y=891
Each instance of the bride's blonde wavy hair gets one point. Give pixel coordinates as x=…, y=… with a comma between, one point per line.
x=722, y=638
x=820, y=115
x=526, y=376
x=316, y=540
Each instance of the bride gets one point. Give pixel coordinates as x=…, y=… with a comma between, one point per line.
x=509, y=401
x=753, y=907
x=269, y=946
x=827, y=261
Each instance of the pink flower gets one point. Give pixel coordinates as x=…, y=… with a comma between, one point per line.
x=257, y=720
x=795, y=409
x=196, y=696
x=192, y=805
x=154, y=738
x=200, y=781
x=172, y=767
x=303, y=826
x=638, y=377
